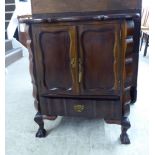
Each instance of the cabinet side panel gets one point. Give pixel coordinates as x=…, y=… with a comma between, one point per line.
x=32, y=67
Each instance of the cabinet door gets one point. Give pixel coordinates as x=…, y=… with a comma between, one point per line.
x=99, y=58
x=55, y=54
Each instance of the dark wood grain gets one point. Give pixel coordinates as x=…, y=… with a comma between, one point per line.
x=92, y=108
x=100, y=75
x=137, y=23
x=57, y=45
x=57, y=6
x=32, y=68
x=50, y=47
x=84, y=59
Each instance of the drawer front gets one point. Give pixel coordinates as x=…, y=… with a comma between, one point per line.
x=110, y=110
x=107, y=109
x=79, y=107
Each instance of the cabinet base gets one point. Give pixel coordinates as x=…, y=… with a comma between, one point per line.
x=124, y=123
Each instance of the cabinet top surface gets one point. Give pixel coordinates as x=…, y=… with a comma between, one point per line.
x=63, y=6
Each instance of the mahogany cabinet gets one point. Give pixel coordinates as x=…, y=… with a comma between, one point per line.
x=84, y=61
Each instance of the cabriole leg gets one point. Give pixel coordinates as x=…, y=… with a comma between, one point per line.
x=125, y=126
x=39, y=120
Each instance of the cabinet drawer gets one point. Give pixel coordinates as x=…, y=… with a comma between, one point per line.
x=95, y=108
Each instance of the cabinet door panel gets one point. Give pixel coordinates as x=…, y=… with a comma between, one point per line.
x=99, y=58
x=56, y=50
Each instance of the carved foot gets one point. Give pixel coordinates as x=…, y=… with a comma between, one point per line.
x=39, y=120
x=125, y=126
x=41, y=133
x=133, y=93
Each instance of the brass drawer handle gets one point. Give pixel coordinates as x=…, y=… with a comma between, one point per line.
x=79, y=108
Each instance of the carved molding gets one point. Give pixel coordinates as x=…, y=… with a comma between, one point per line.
x=100, y=17
x=128, y=50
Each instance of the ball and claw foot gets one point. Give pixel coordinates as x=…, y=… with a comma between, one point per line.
x=41, y=133
x=125, y=126
x=39, y=120
x=124, y=138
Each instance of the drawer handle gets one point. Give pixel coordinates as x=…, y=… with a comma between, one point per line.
x=78, y=108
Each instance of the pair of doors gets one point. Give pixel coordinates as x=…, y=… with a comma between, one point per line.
x=78, y=58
